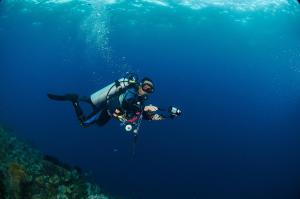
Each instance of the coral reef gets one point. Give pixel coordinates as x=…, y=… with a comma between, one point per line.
x=16, y=176
x=25, y=173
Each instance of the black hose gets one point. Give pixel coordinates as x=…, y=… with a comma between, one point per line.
x=127, y=76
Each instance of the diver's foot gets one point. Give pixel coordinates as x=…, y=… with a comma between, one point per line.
x=68, y=97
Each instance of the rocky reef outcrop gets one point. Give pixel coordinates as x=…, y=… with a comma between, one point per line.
x=25, y=173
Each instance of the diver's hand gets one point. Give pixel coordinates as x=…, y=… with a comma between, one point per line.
x=157, y=117
x=150, y=108
x=119, y=115
x=116, y=113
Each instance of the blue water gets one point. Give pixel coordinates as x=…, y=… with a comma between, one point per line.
x=232, y=66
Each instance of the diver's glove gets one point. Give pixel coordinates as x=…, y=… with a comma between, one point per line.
x=174, y=112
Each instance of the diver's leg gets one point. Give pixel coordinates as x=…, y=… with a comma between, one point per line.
x=103, y=118
x=74, y=98
x=85, y=99
x=99, y=117
x=79, y=112
x=88, y=100
x=71, y=97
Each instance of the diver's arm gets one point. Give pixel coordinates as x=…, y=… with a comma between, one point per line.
x=150, y=113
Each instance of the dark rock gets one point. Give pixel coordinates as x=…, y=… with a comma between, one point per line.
x=57, y=162
x=2, y=187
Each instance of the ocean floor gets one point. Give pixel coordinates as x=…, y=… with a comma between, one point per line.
x=25, y=173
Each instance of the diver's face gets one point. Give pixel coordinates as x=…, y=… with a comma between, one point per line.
x=145, y=89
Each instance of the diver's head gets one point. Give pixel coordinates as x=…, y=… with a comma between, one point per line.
x=146, y=86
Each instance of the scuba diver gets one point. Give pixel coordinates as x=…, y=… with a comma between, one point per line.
x=124, y=100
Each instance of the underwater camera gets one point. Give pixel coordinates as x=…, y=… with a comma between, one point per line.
x=174, y=112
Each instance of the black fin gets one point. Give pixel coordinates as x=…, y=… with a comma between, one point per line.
x=67, y=97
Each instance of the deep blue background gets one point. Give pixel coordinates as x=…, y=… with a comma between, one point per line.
x=235, y=74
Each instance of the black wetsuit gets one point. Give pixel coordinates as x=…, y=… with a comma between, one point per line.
x=128, y=102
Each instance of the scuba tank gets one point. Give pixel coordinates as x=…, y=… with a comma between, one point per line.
x=100, y=97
